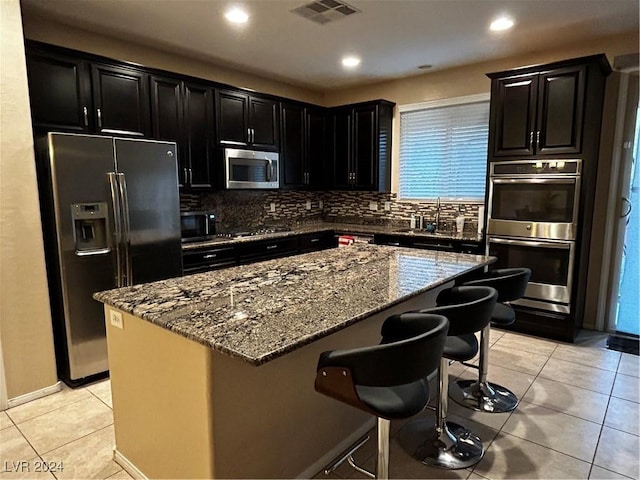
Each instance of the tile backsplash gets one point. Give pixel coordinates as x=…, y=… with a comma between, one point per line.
x=256, y=208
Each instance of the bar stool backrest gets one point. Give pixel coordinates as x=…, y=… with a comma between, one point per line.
x=468, y=309
x=511, y=283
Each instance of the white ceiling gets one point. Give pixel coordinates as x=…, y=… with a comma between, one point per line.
x=393, y=37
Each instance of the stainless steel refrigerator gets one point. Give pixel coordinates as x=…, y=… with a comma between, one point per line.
x=111, y=218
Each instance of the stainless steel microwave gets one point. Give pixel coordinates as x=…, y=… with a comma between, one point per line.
x=251, y=169
x=197, y=226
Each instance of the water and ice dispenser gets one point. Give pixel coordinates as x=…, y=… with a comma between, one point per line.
x=90, y=228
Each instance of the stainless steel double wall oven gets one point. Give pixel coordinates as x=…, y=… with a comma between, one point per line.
x=532, y=215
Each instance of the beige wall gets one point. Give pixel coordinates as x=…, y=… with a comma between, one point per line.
x=45, y=30
x=25, y=320
x=468, y=80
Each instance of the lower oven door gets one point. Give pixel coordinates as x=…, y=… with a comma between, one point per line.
x=551, y=264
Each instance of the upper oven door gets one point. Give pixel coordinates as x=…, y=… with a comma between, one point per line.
x=250, y=169
x=545, y=208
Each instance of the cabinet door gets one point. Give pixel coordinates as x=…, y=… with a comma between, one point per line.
x=166, y=108
x=232, y=113
x=342, y=172
x=365, y=152
x=560, y=111
x=120, y=100
x=166, y=117
x=316, y=148
x=513, y=113
x=293, y=169
x=58, y=92
x=198, y=124
x=263, y=121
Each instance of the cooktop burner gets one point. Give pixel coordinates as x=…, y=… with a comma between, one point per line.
x=236, y=233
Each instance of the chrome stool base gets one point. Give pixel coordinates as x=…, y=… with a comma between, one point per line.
x=455, y=448
x=483, y=396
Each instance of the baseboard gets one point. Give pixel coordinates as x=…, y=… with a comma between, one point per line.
x=28, y=397
x=332, y=454
x=129, y=467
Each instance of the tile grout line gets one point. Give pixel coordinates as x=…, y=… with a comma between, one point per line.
x=44, y=413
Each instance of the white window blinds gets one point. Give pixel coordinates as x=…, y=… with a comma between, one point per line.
x=443, y=151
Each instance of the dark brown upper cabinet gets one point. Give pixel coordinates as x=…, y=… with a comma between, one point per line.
x=183, y=112
x=60, y=92
x=303, y=146
x=120, y=100
x=362, y=146
x=539, y=113
x=246, y=120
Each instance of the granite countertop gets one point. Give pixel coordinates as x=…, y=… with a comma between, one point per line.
x=281, y=305
x=341, y=228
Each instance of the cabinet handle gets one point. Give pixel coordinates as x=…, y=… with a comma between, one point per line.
x=253, y=135
x=186, y=175
x=537, y=140
x=531, y=139
x=315, y=240
x=86, y=116
x=271, y=247
x=211, y=255
x=190, y=177
x=99, y=118
x=393, y=244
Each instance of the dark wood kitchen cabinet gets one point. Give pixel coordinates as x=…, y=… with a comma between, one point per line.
x=246, y=120
x=182, y=112
x=59, y=91
x=362, y=146
x=303, y=146
x=120, y=100
x=540, y=111
x=74, y=94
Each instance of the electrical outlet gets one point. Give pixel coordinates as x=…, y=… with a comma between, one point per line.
x=273, y=207
x=116, y=319
x=308, y=205
x=373, y=206
x=387, y=206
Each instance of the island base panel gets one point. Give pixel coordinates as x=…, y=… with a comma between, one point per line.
x=183, y=410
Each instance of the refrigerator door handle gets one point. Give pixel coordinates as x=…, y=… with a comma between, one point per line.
x=117, y=220
x=126, y=229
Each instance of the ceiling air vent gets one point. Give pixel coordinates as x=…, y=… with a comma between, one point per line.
x=325, y=11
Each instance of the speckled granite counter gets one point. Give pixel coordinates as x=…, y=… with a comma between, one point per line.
x=262, y=311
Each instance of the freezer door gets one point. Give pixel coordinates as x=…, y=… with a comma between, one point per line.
x=151, y=205
x=86, y=259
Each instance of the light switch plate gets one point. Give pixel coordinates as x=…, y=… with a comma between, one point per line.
x=116, y=319
x=373, y=206
x=273, y=207
x=320, y=204
x=308, y=204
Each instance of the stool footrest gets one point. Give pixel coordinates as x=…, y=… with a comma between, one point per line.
x=348, y=457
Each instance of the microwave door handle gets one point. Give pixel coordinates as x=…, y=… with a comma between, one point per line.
x=269, y=170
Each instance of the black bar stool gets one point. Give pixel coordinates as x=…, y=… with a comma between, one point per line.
x=387, y=380
x=447, y=444
x=480, y=394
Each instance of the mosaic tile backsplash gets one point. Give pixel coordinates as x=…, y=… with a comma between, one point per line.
x=239, y=209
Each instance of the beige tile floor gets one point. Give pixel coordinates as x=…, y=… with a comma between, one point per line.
x=578, y=418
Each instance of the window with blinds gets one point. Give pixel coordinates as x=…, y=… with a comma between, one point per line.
x=443, y=149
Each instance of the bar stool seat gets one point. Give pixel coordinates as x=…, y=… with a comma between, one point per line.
x=461, y=346
x=387, y=380
x=482, y=395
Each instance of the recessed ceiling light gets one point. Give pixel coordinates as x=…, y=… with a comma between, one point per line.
x=236, y=15
x=501, y=23
x=425, y=66
x=350, y=62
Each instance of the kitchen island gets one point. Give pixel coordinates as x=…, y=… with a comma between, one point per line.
x=212, y=374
